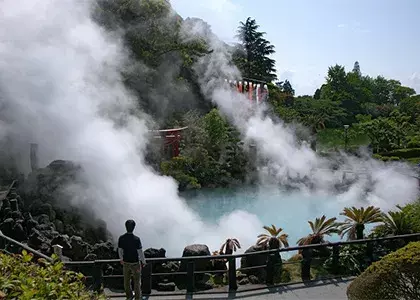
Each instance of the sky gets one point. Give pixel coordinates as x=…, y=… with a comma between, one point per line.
x=382, y=35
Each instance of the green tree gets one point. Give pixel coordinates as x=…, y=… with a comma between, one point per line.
x=318, y=113
x=356, y=219
x=230, y=246
x=356, y=69
x=411, y=106
x=320, y=228
x=252, y=55
x=274, y=238
x=394, y=223
x=211, y=154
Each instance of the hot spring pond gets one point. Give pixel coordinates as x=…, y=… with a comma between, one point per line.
x=288, y=210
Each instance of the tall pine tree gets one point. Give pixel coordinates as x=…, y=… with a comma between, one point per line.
x=356, y=68
x=252, y=54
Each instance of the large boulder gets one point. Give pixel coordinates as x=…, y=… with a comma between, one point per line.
x=18, y=231
x=200, y=265
x=254, y=261
x=6, y=227
x=155, y=253
x=39, y=242
x=168, y=267
x=39, y=208
x=79, y=247
x=196, y=250
x=104, y=250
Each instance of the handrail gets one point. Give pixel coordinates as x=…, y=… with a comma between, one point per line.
x=27, y=248
x=221, y=257
x=6, y=192
x=272, y=264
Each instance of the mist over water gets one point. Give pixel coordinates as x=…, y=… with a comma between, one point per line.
x=60, y=87
x=290, y=161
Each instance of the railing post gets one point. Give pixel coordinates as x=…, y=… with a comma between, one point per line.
x=2, y=241
x=190, y=277
x=369, y=251
x=271, y=260
x=336, y=258
x=58, y=250
x=146, y=279
x=233, y=285
x=306, y=264
x=97, y=277
x=14, y=205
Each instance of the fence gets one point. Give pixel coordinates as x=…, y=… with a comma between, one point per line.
x=270, y=266
x=93, y=270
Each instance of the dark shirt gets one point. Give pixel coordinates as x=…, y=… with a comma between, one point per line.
x=130, y=243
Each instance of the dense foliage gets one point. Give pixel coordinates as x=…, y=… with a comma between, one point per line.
x=380, y=111
x=21, y=278
x=396, y=276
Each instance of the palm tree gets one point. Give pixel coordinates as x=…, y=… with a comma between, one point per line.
x=320, y=228
x=230, y=246
x=273, y=240
x=356, y=219
x=395, y=223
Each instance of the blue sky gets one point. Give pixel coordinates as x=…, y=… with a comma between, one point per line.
x=311, y=35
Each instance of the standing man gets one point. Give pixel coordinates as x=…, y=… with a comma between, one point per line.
x=132, y=258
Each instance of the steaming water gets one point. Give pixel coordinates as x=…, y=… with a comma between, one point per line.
x=290, y=211
x=61, y=87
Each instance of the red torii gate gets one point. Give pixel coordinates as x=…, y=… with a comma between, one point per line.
x=172, y=138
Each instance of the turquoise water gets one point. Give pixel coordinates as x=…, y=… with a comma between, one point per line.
x=288, y=210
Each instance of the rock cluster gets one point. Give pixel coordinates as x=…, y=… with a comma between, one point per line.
x=34, y=214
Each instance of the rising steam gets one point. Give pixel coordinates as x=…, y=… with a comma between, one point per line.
x=60, y=87
x=289, y=161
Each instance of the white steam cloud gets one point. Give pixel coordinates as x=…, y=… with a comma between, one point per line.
x=61, y=87
x=291, y=162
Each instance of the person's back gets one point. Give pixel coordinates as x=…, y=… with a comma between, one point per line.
x=130, y=243
x=132, y=258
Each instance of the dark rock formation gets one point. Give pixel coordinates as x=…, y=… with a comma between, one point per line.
x=196, y=250
x=253, y=261
x=201, y=280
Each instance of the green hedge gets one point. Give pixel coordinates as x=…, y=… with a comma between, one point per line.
x=403, y=153
x=395, y=276
x=386, y=158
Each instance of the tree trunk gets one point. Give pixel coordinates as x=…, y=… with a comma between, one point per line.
x=359, y=231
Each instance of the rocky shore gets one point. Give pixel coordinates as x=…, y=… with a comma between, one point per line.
x=33, y=213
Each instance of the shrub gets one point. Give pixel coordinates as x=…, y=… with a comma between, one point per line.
x=20, y=278
x=403, y=153
x=386, y=158
x=396, y=276
x=412, y=211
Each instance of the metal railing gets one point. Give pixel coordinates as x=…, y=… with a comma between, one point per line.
x=190, y=263
x=7, y=242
